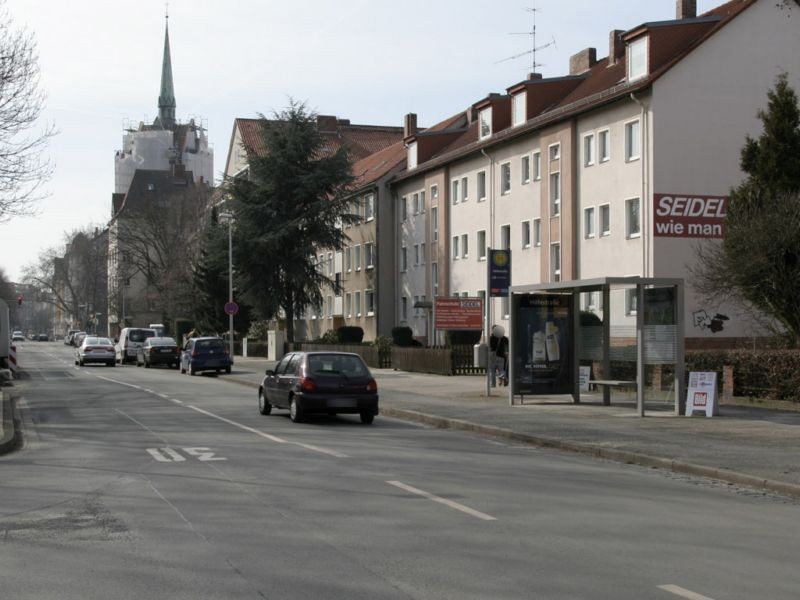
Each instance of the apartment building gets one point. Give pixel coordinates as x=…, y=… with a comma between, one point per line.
x=619, y=168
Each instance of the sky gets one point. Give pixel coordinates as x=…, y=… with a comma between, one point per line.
x=370, y=61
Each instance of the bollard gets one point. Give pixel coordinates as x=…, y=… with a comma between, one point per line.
x=12, y=360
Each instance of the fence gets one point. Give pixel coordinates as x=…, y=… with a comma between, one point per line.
x=374, y=356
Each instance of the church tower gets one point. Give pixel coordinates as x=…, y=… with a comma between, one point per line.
x=166, y=100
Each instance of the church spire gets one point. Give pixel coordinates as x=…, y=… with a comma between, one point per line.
x=166, y=100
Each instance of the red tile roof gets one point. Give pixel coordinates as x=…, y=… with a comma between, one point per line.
x=371, y=168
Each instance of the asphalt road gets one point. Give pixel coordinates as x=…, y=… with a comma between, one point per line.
x=144, y=483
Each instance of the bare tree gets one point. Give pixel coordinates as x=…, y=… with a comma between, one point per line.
x=23, y=171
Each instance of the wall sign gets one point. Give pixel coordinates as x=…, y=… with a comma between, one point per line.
x=458, y=313
x=689, y=216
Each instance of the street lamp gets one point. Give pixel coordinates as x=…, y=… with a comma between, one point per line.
x=228, y=216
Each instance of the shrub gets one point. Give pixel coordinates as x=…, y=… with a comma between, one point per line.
x=349, y=334
x=330, y=337
x=463, y=338
x=403, y=336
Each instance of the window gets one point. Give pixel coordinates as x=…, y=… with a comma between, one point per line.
x=435, y=224
x=455, y=191
x=555, y=194
x=485, y=123
x=632, y=140
x=329, y=306
x=482, y=245
x=369, y=207
x=537, y=166
x=412, y=155
x=435, y=278
x=481, y=186
x=357, y=258
x=505, y=178
x=403, y=258
x=347, y=263
x=537, y=232
x=605, y=220
x=330, y=264
x=588, y=222
x=505, y=237
x=416, y=255
x=369, y=302
x=455, y=248
x=403, y=308
x=604, y=145
x=518, y=110
x=482, y=296
x=348, y=305
x=504, y=306
x=422, y=201
x=590, y=301
x=415, y=203
x=588, y=150
x=633, y=225
x=369, y=255
x=357, y=302
x=434, y=193
x=526, y=234
x=555, y=262
x=555, y=151
x=525, y=167
x=637, y=59
x=422, y=253
x=464, y=193
x=464, y=245
x=403, y=208
x=631, y=301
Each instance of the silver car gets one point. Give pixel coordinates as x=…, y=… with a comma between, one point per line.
x=96, y=350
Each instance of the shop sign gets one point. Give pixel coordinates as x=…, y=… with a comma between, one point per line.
x=458, y=313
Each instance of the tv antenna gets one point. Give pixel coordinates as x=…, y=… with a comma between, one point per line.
x=534, y=48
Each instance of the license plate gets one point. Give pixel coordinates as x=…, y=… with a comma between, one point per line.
x=342, y=403
x=165, y=351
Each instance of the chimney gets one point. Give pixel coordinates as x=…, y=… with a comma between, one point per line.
x=327, y=124
x=582, y=61
x=685, y=9
x=534, y=76
x=410, y=124
x=616, y=47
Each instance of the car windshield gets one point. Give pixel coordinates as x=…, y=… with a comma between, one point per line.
x=161, y=341
x=140, y=335
x=343, y=364
x=97, y=341
x=210, y=345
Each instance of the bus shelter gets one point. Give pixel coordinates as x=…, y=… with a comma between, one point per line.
x=609, y=335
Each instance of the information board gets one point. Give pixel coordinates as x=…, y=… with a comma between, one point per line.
x=702, y=394
x=458, y=313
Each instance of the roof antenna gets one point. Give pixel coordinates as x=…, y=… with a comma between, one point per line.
x=166, y=9
x=534, y=47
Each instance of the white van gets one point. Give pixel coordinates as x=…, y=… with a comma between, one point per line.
x=130, y=340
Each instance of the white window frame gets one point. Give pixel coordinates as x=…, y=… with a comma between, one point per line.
x=589, y=229
x=434, y=193
x=485, y=123
x=588, y=150
x=525, y=234
x=629, y=221
x=422, y=253
x=505, y=178
x=404, y=208
x=505, y=236
x=604, y=148
x=464, y=189
x=454, y=191
x=455, y=251
x=481, y=185
x=403, y=259
x=412, y=155
x=537, y=166
x=633, y=143
x=415, y=203
x=525, y=169
x=555, y=194
x=435, y=278
x=369, y=207
x=369, y=255
x=348, y=304
x=518, y=108
x=416, y=255
x=604, y=231
x=554, y=151
x=348, y=265
x=369, y=299
x=480, y=237
x=357, y=303
x=631, y=302
x=357, y=257
x=435, y=223
x=638, y=57
x=464, y=245
x=504, y=307
x=422, y=201
x=537, y=233
x=555, y=261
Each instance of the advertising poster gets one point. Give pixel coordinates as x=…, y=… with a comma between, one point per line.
x=458, y=313
x=543, y=345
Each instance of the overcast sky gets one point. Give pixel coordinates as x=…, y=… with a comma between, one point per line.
x=370, y=61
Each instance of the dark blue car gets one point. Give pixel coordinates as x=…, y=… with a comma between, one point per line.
x=205, y=354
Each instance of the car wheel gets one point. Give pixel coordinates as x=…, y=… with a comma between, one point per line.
x=146, y=365
x=192, y=370
x=264, y=407
x=367, y=418
x=76, y=361
x=113, y=363
x=294, y=411
x=228, y=370
x=80, y=363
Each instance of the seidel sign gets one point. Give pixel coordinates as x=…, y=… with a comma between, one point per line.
x=689, y=216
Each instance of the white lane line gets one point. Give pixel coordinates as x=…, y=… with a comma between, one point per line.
x=445, y=501
x=130, y=385
x=683, y=593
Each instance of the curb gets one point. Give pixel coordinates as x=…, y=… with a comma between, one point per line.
x=621, y=456
x=12, y=431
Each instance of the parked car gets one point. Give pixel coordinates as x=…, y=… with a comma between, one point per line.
x=43, y=337
x=69, y=336
x=129, y=342
x=77, y=338
x=205, y=354
x=320, y=382
x=159, y=351
x=95, y=350
x=17, y=336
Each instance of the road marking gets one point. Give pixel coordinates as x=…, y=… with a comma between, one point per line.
x=130, y=385
x=165, y=455
x=444, y=501
x=682, y=592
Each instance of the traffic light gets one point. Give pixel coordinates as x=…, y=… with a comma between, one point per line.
x=19, y=300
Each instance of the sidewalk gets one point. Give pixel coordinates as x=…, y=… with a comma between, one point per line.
x=747, y=446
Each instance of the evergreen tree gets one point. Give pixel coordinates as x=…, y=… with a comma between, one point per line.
x=758, y=262
x=291, y=204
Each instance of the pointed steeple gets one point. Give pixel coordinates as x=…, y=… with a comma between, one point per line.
x=166, y=100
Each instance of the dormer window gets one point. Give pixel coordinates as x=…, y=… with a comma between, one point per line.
x=485, y=123
x=412, y=155
x=518, y=108
x=637, y=59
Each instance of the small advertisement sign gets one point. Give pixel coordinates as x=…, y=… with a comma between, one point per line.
x=584, y=375
x=499, y=273
x=689, y=216
x=702, y=394
x=458, y=313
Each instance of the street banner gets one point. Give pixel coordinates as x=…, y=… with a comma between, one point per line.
x=458, y=313
x=499, y=273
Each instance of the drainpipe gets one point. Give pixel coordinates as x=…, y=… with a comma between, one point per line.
x=645, y=196
x=488, y=321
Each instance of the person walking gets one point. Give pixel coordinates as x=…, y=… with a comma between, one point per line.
x=502, y=360
x=495, y=361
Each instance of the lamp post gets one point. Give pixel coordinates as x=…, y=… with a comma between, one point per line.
x=228, y=216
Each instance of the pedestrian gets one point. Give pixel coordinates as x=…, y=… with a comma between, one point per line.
x=495, y=362
x=502, y=360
